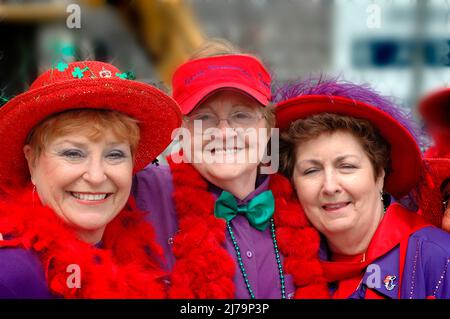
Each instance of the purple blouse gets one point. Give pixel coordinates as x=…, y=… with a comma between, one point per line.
x=22, y=275
x=153, y=188
x=426, y=272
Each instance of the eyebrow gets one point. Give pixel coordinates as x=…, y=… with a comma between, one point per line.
x=81, y=145
x=337, y=159
x=202, y=111
x=244, y=105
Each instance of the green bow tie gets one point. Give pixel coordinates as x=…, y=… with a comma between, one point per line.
x=258, y=211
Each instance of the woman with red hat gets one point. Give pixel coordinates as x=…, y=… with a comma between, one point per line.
x=70, y=145
x=344, y=147
x=434, y=190
x=435, y=111
x=228, y=230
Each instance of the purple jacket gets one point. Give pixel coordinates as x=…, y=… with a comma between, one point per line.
x=426, y=271
x=22, y=275
x=153, y=188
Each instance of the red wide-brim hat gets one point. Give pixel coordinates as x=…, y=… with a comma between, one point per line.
x=435, y=107
x=84, y=85
x=196, y=80
x=406, y=158
x=430, y=198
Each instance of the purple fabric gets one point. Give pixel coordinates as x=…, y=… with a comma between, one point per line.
x=22, y=275
x=426, y=272
x=153, y=188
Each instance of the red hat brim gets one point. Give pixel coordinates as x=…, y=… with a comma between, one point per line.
x=197, y=79
x=406, y=159
x=435, y=107
x=200, y=96
x=157, y=113
x=429, y=192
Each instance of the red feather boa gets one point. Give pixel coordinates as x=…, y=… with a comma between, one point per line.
x=123, y=268
x=204, y=269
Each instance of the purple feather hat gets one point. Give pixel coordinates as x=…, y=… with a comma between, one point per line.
x=333, y=86
x=297, y=100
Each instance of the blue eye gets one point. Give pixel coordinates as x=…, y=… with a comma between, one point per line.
x=72, y=154
x=116, y=154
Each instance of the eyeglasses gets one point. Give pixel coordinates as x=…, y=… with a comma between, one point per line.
x=240, y=119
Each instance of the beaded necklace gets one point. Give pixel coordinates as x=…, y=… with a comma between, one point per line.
x=199, y=244
x=241, y=264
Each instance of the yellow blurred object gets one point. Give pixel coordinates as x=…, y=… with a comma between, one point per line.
x=93, y=3
x=169, y=32
x=32, y=12
x=167, y=28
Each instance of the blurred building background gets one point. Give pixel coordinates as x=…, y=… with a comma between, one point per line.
x=400, y=47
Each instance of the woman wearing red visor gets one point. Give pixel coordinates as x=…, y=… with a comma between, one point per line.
x=227, y=229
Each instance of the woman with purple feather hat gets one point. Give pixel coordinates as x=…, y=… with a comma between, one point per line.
x=347, y=150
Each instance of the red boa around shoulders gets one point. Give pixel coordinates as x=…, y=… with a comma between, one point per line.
x=203, y=267
x=124, y=267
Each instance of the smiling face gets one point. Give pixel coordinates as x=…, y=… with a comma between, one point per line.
x=336, y=184
x=86, y=183
x=81, y=163
x=231, y=153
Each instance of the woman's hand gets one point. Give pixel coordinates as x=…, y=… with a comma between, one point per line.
x=1, y=237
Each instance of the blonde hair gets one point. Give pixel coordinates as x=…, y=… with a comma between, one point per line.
x=93, y=123
x=215, y=47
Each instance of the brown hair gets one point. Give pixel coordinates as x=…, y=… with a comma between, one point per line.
x=93, y=123
x=302, y=130
x=269, y=114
